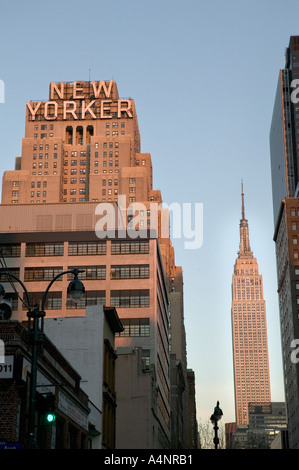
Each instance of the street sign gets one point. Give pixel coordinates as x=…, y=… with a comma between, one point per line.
x=10, y=445
x=6, y=368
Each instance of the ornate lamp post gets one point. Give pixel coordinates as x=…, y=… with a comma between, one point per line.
x=36, y=331
x=216, y=416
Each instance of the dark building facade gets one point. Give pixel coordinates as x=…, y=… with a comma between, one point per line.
x=56, y=381
x=284, y=131
x=284, y=150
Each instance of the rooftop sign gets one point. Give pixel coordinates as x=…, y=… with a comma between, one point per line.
x=80, y=101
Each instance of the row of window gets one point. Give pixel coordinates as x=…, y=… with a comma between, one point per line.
x=40, y=156
x=13, y=250
x=45, y=165
x=115, y=125
x=41, y=147
x=137, y=298
x=44, y=127
x=89, y=272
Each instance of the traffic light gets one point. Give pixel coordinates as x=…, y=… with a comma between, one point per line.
x=49, y=409
x=50, y=417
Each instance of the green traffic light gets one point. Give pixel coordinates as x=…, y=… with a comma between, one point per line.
x=50, y=417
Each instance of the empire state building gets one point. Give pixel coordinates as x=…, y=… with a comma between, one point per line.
x=249, y=330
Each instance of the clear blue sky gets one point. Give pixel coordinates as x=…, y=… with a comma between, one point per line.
x=203, y=75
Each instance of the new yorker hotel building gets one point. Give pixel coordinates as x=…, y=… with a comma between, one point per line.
x=75, y=145
x=82, y=148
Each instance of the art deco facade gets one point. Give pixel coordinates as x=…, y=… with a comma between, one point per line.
x=284, y=147
x=286, y=239
x=80, y=156
x=249, y=330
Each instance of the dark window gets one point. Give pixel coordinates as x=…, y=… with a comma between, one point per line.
x=11, y=250
x=44, y=249
x=89, y=298
x=130, y=298
x=135, y=327
x=134, y=271
x=129, y=247
x=42, y=274
x=90, y=272
x=87, y=248
x=53, y=300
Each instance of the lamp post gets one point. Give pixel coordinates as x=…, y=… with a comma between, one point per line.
x=216, y=416
x=36, y=332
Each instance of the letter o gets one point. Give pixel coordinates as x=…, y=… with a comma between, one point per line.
x=46, y=114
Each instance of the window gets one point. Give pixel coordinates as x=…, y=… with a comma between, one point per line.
x=135, y=327
x=53, y=300
x=134, y=271
x=129, y=247
x=89, y=298
x=42, y=273
x=90, y=272
x=87, y=248
x=44, y=249
x=130, y=298
x=5, y=278
x=12, y=250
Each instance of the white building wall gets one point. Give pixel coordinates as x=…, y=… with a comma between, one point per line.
x=80, y=340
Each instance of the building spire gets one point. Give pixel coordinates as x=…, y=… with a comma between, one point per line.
x=245, y=250
x=243, y=205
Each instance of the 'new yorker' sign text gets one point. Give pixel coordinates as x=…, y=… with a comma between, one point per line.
x=97, y=104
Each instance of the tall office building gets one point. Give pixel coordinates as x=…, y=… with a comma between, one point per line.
x=81, y=157
x=249, y=330
x=284, y=149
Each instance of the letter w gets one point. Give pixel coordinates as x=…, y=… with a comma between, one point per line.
x=102, y=86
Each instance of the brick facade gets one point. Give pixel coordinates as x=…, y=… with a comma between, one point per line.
x=62, y=381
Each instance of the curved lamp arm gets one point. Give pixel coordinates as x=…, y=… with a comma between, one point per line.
x=22, y=284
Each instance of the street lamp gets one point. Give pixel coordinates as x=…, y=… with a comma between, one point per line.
x=36, y=330
x=216, y=416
